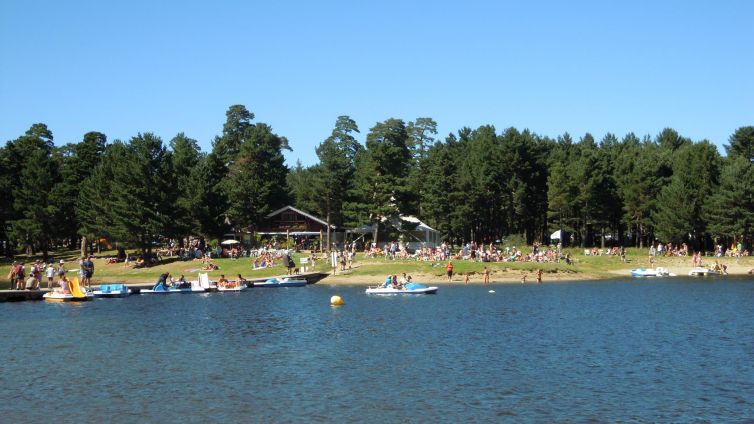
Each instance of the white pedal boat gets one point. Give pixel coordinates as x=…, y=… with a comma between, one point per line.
x=75, y=293
x=232, y=286
x=410, y=288
x=112, y=290
x=657, y=272
x=702, y=271
x=282, y=282
x=200, y=286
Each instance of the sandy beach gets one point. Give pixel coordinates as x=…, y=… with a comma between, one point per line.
x=676, y=266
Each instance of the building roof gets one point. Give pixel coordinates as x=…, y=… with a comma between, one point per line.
x=298, y=211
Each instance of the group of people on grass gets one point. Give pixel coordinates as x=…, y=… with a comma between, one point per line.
x=471, y=252
x=20, y=281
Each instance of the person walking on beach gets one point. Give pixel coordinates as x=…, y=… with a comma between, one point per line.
x=486, y=275
x=466, y=278
x=539, y=276
x=449, y=269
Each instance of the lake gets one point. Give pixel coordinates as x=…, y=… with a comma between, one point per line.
x=662, y=350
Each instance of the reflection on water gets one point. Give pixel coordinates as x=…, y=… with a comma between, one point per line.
x=665, y=350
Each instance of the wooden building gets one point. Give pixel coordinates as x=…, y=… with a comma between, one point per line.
x=292, y=222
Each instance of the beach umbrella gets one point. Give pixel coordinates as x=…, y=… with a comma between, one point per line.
x=555, y=235
x=231, y=241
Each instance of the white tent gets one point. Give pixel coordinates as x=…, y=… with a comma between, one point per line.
x=555, y=235
x=422, y=235
x=230, y=242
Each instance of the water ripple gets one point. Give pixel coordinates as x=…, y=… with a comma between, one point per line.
x=672, y=350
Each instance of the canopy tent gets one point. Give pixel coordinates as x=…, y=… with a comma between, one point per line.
x=231, y=241
x=421, y=234
x=555, y=235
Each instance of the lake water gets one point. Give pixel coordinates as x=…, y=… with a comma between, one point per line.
x=673, y=350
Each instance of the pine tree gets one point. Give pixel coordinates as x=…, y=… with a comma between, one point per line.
x=334, y=173
x=301, y=183
x=207, y=197
x=679, y=205
x=142, y=191
x=741, y=143
x=76, y=162
x=32, y=174
x=185, y=158
x=382, y=171
x=729, y=211
x=256, y=183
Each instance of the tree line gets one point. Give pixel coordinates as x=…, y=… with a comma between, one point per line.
x=476, y=184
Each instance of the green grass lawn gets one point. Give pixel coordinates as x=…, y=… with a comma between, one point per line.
x=365, y=269
x=118, y=272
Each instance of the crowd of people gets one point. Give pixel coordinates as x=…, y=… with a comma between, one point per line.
x=469, y=251
x=21, y=279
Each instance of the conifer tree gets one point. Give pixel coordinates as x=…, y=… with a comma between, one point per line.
x=256, y=183
x=382, y=172
x=334, y=173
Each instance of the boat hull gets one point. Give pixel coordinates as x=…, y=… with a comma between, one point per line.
x=701, y=272
x=279, y=284
x=238, y=288
x=66, y=297
x=98, y=293
x=285, y=282
x=657, y=272
x=172, y=291
x=392, y=291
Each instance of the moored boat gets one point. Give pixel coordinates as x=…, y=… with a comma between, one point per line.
x=162, y=287
x=112, y=290
x=410, y=288
x=648, y=272
x=282, y=282
x=231, y=286
x=701, y=271
x=72, y=293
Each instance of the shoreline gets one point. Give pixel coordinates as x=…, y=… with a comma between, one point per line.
x=514, y=277
x=373, y=272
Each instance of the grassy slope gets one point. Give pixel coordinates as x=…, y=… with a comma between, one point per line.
x=373, y=270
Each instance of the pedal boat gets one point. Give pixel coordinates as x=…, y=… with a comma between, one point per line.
x=282, y=282
x=112, y=290
x=75, y=293
x=410, y=288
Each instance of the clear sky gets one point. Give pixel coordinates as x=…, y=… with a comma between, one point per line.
x=553, y=67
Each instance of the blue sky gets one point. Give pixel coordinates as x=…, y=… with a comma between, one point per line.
x=552, y=67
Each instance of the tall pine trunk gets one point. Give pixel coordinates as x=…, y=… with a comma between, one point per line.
x=376, y=231
x=83, y=246
x=329, y=242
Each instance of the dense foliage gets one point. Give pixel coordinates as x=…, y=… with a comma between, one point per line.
x=477, y=184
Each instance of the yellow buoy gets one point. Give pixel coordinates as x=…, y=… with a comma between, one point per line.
x=337, y=301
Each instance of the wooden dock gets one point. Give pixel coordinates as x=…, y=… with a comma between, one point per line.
x=21, y=295
x=24, y=295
